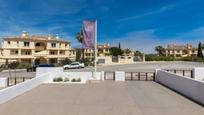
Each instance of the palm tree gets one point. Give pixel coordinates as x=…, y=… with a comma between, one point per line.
x=160, y=50
x=127, y=51
x=80, y=38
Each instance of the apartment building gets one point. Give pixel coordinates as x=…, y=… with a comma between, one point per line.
x=103, y=50
x=104, y=56
x=181, y=50
x=36, y=49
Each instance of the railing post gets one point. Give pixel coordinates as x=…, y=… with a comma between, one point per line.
x=191, y=73
x=8, y=81
x=146, y=76
x=15, y=80
x=183, y=72
x=138, y=75
x=174, y=71
x=23, y=79
x=131, y=76
x=154, y=76
x=113, y=75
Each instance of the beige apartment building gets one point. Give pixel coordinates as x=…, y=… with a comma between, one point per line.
x=36, y=49
x=104, y=56
x=103, y=50
x=181, y=50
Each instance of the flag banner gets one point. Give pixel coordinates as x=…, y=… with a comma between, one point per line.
x=89, y=34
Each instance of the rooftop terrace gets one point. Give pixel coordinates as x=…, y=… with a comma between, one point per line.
x=104, y=98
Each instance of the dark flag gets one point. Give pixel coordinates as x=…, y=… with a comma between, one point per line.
x=89, y=34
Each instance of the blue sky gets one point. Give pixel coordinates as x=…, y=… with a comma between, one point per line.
x=137, y=24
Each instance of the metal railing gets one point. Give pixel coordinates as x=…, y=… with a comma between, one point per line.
x=109, y=75
x=183, y=72
x=139, y=76
x=15, y=80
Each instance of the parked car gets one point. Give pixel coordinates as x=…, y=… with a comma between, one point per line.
x=74, y=65
x=33, y=68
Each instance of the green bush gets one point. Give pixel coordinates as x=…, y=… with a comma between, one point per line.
x=76, y=80
x=23, y=65
x=152, y=57
x=191, y=58
x=58, y=79
x=13, y=65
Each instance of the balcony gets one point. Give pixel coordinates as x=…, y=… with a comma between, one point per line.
x=41, y=53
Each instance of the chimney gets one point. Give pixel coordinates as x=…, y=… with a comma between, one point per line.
x=57, y=36
x=24, y=34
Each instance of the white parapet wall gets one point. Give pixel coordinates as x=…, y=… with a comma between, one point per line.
x=119, y=76
x=59, y=72
x=198, y=73
x=193, y=89
x=45, y=75
x=3, y=82
x=13, y=91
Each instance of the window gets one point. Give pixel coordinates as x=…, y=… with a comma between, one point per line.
x=8, y=42
x=27, y=53
x=26, y=44
x=53, y=45
x=37, y=44
x=16, y=52
x=53, y=52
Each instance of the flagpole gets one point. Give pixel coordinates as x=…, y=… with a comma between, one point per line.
x=95, y=48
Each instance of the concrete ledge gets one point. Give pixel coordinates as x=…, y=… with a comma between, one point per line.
x=3, y=82
x=191, y=88
x=13, y=91
x=119, y=76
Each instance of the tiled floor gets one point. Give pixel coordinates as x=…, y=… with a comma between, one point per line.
x=104, y=98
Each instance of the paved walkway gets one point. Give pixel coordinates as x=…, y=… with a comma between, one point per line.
x=104, y=98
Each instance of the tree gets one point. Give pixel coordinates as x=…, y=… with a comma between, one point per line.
x=127, y=51
x=115, y=51
x=80, y=38
x=65, y=61
x=78, y=54
x=138, y=53
x=119, y=46
x=160, y=50
x=200, y=53
x=13, y=65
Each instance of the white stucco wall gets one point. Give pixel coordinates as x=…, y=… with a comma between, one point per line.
x=119, y=76
x=13, y=91
x=191, y=88
x=3, y=82
x=198, y=73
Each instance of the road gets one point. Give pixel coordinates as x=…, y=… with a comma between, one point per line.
x=141, y=67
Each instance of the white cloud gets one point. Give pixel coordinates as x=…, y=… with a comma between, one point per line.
x=157, y=11
x=146, y=40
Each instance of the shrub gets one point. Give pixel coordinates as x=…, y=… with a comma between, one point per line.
x=152, y=57
x=23, y=65
x=76, y=80
x=58, y=79
x=13, y=65
x=73, y=80
x=65, y=61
